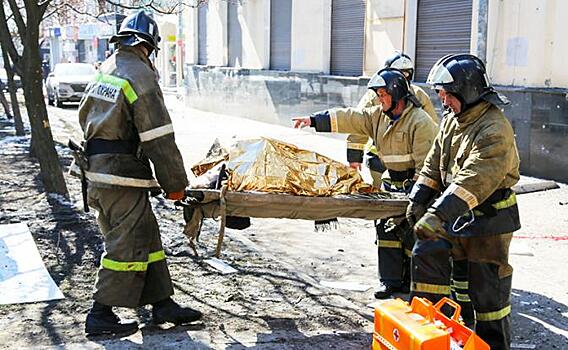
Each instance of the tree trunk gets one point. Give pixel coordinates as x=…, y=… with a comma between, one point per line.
x=13, y=97
x=43, y=146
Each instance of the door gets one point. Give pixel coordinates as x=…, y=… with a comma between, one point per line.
x=347, y=37
x=443, y=27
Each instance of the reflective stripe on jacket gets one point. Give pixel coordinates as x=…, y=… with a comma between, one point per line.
x=124, y=102
x=402, y=144
x=473, y=158
x=357, y=145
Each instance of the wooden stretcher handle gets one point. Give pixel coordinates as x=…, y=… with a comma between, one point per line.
x=448, y=301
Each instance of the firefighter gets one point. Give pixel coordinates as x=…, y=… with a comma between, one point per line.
x=472, y=166
x=403, y=134
x=126, y=126
x=357, y=144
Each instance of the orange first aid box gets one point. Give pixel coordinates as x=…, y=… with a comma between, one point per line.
x=422, y=326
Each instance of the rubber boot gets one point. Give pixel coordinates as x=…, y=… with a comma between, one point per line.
x=169, y=311
x=101, y=320
x=386, y=291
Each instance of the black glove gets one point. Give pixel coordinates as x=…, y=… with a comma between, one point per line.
x=414, y=212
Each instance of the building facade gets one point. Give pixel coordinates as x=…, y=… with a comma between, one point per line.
x=270, y=60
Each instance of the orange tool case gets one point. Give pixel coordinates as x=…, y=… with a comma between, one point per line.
x=422, y=326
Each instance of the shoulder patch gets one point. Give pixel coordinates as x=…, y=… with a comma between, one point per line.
x=108, y=88
x=104, y=91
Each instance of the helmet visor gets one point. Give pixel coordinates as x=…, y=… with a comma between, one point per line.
x=439, y=75
x=402, y=63
x=376, y=82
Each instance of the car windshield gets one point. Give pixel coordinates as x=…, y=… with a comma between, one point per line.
x=74, y=69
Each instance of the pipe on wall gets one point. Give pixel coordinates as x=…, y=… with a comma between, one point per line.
x=482, y=30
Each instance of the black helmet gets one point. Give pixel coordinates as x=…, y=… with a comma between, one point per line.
x=396, y=85
x=401, y=61
x=138, y=28
x=464, y=76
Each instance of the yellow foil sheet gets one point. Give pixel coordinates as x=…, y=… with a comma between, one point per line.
x=269, y=165
x=207, y=164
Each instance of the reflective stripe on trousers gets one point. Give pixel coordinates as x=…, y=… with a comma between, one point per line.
x=132, y=265
x=494, y=315
x=460, y=291
x=390, y=255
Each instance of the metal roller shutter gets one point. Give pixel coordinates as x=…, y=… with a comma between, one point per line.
x=443, y=27
x=280, y=34
x=347, y=37
x=202, y=35
x=235, y=36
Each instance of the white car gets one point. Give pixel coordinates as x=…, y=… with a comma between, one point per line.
x=67, y=82
x=4, y=80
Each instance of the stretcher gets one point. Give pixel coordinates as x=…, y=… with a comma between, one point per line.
x=210, y=203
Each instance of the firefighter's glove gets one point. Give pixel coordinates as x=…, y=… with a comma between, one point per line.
x=414, y=212
x=176, y=196
x=430, y=227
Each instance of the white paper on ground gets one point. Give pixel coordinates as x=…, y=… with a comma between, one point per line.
x=354, y=286
x=220, y=265
x=23, y=276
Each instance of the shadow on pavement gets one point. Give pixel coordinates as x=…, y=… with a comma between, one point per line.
x=284, y=333
x=539, y=321
x=69, y=106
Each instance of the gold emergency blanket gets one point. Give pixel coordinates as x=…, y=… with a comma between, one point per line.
x=273, y=166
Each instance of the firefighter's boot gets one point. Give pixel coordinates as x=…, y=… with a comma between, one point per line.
x=169, y=311
x=102, y=320
x=386, y=291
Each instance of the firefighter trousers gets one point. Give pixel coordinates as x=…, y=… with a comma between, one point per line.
x=481, y=260
x=394, y=242
x=133, y=270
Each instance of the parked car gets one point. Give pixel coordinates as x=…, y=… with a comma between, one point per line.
x=4, y=80
x=68, y=82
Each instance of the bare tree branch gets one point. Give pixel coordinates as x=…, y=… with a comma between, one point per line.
x=7, y=43
x=43, y=7
x=17, y=16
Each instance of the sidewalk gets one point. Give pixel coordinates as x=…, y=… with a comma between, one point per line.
x=536, y=253
x=540, y=290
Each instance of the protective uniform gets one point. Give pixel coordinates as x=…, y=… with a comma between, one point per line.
x=472, y=166
x=126, y=126
x=357, y=144
x=402, y=144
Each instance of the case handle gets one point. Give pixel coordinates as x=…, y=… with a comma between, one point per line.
x=450, y=302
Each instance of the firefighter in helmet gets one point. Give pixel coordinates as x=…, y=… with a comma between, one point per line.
x=463, y=202
x=357, y=145
x=126, y=126
x=403, y=133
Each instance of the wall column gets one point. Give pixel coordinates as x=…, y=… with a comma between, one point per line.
x=311, y=36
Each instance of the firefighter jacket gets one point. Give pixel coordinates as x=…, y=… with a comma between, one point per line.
x=473, y=164
x=402, y=145
x=356, y=144
x=427, y=104
x=126, y=125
